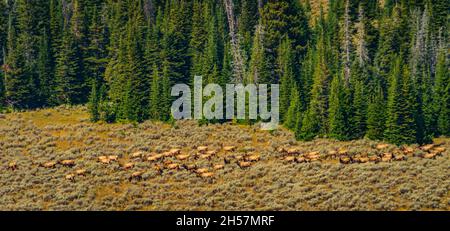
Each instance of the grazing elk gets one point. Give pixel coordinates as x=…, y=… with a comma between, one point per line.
x=67, y=163
x=80, y=172
x=128, y=166
x=190, y=167
x=219, y=167
x=113, y=158
x=202, y=149
x=137, y=155
x=183, y=157
x=136, y=175
x=229, y=148
x=70, y=177
x=345, y=160
x=12, y=166
x=50, y=164
x=155, y=158
x=253, y=158
x=244, y=164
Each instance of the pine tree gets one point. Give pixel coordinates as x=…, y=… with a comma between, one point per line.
x=19, y=84
x=155, y=94
x=376, y=118
x=94, y=102
x=285, y=62
x=339, y=110
x=315, y=120
x=293, y=111
x=441, y=99
x=401, y=123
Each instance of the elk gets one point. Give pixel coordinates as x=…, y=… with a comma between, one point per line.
x=50, y=164
x=67, y=163
x=202, y=149
x=427, y=148
x=363, y=160
x=253, y=158
x=155, y=158
x=229, y=148
x=375, y=159
x=244, y=164
x=173, y=166
x=387, y=157
x=159, y=169
x=289, y=159
x=345, y=160
x=408, y=150
x=342, y=152
x=80, y=172
x=104, y=160
x=70, y=177
x=212, y=152
x=137, y=155
x=300, y=159
x=175, y=151
x=201, y=171
x=293, y=151
x=136, y=175
x=430, y=156
x=439, y=150
x=219, y=167
x=128, y=166
x=206, y=156
x=113, y=158
x=207, y=175
x=183, y=157
x=382, y=146
x=12, y=166
x=189, y=167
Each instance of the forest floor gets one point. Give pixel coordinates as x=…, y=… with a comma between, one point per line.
x=55, y=159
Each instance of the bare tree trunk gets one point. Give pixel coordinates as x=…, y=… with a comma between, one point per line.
x=238, y=60
x=347, y=43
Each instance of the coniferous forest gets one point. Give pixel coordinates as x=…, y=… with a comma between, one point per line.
x=347, y=69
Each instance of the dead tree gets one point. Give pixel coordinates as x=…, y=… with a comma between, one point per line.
x=238, y=60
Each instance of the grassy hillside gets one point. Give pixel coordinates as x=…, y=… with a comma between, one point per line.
x=52, y=160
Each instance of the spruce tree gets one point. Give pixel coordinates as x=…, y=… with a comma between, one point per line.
x=376, y=118
x=441, y=99
x=401, y=123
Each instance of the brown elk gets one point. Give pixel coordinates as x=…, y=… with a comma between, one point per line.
x=189, y=167
x=70, y=177
x=113, y=158
x=159, y=169
x=50, y=164
x=427, y=148
x=80, y=172
x=155, y=158
x=202, y=149
x=219, y=167
x=253, y=158
x=300, y=159
x=183, y=157
x=136, y=175
x=244, y=164
x=137, y=155
x=382, y=146
x=128, y=166
x=387, y=157
x=173, y=166
x=289, y=159
x=229, y=148
x=345, y=160
x=374, y=158
x=12, y=166
x=67, y=163
x=201, y=171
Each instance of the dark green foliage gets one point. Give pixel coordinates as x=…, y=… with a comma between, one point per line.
x=335, y=70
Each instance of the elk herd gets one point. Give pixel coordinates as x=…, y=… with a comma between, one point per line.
x=177, y=160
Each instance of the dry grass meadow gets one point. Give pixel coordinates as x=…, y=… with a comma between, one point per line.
x=55, y=159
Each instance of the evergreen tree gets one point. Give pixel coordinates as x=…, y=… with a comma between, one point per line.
x=441, y=99
x=376, y=118
x=339, y=110
x=293, y=111
x=155, y=94
x=401, y=123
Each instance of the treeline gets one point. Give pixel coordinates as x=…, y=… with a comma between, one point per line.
x=347, y=70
